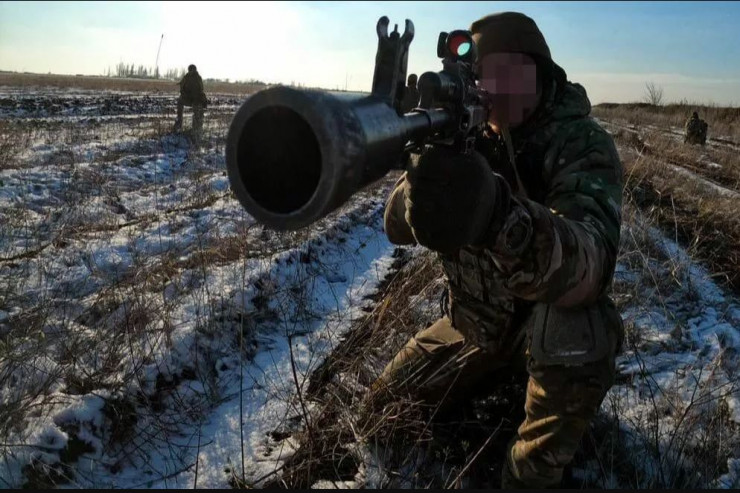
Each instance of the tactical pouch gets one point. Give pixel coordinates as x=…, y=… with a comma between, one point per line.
x=568, y=336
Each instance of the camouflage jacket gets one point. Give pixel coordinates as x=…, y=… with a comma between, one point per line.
x=191, y=89
x=695, y=125
x=565, y=217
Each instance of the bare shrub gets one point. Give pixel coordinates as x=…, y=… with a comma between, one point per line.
x=653, y=94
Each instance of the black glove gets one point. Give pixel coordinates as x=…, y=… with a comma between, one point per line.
x=453, y=200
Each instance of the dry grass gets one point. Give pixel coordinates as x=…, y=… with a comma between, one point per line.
x=104, y=335
x=127, y=324
x=717, y=163
x=700, y=218
x=416, y=448
x=723, y=123
x=112, y=333
x=420, y=451
x=14, y=139
x=417, y=445
x=328, y=447
x=675, y=441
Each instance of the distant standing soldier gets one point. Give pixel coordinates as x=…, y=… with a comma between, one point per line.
x=411, y=95
x=696, y=130
x=192, y=94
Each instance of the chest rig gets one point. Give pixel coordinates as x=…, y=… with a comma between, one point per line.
x=478, y=304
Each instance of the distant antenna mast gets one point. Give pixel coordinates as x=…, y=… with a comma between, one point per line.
x=156, y=63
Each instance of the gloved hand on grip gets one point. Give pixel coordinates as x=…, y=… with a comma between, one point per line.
x=453, y=200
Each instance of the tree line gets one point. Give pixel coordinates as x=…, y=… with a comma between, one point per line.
x=133, y=71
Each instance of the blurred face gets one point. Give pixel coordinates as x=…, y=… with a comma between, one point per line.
x=511, y=80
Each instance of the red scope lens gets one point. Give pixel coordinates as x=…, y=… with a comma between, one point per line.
x=459, y=45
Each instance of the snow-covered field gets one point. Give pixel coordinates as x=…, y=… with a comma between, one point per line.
x=145, y=319
x=676, y=397
x=152, y=335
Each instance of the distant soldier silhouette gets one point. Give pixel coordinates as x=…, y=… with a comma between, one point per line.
x=191, y=94
x=696, y=130
x=411, y=95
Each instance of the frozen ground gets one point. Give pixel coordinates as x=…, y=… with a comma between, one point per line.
x=138, y=298
x=676, y=397
x=152, y=335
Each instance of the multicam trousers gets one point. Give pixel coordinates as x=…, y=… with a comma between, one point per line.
x=438, y=364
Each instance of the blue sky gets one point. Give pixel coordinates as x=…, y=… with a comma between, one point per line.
x=691, y=49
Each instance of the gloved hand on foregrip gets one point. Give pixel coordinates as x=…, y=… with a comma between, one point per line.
x=453, y=200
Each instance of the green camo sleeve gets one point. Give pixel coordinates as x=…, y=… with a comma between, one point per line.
x=570, y=251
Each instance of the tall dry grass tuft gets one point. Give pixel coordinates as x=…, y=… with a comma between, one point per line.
x=332, y=450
